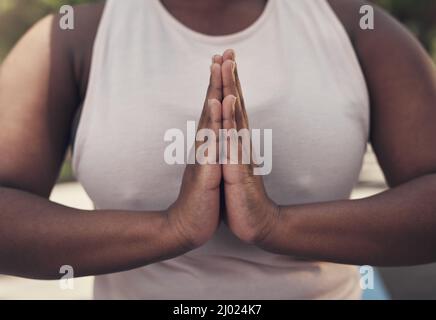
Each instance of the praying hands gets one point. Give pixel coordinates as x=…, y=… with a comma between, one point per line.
x=249, y=212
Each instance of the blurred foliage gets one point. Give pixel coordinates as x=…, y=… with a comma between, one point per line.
x=17, y=16
x=418, y=15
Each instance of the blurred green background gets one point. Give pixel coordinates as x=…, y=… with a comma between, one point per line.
x=16, y=16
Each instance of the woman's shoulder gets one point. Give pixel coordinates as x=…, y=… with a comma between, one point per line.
x=78, y=43
x=387, y=33
x=62, y=54
x=70, y=48
x=378, y=48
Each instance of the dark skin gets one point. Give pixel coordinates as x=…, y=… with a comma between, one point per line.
x=37, y=237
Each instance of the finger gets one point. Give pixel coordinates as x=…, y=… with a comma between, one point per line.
x=230, y=87
x=229, y=120
x=234, y=149
x=214, y=91
x=241, y=97
x=215, y=123
x=229, y=54
x=228, y=78
x=232, y=56
x=231, y=147
x=213, y=116
x=217, y=59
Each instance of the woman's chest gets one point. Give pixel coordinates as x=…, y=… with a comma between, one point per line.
x=318, y=135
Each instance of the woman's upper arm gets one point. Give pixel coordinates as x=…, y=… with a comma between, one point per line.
x=402, y=83
x=38, y=98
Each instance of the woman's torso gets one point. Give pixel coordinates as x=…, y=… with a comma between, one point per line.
x=301, y=79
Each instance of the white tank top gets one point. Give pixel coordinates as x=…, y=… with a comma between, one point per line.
x=301, y=78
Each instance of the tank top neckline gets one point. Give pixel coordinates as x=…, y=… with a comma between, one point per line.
x=220, y=39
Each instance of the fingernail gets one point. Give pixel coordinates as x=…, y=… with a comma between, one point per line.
x=234, y=99
x=233, y=55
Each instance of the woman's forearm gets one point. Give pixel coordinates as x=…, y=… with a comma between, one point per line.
x=38, y=237
x=395, y=227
